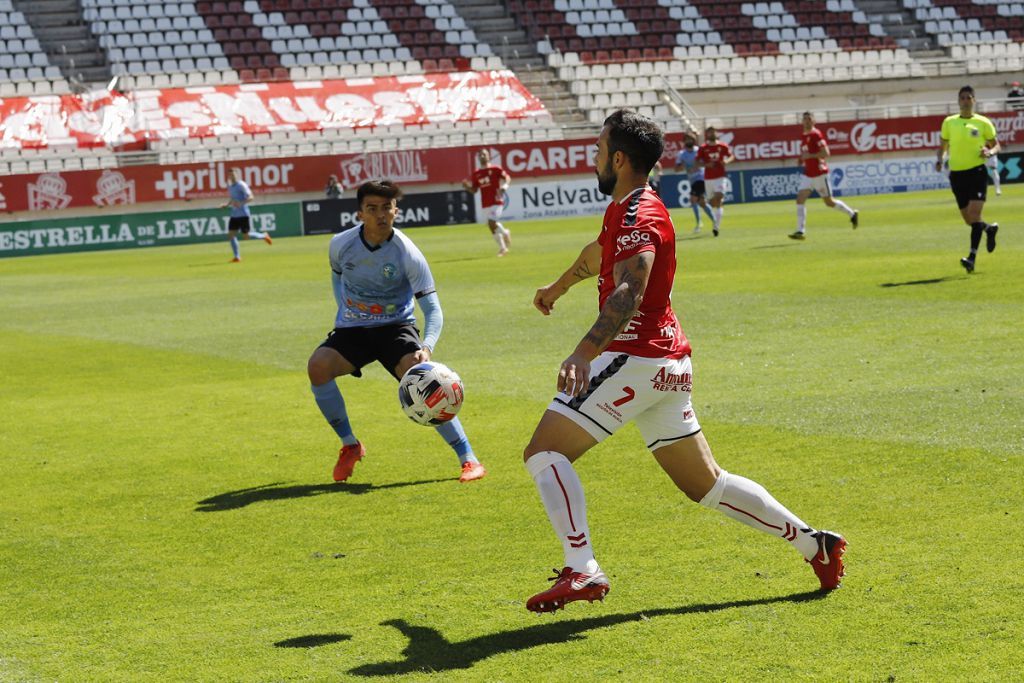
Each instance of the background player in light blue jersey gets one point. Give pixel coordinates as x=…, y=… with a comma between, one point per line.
x=686, y=161
x=239, y=196
x=377, y=274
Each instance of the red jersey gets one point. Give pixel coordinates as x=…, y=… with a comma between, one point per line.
x=812, y=143
x=489, y=180
x=638, y=223
x=712, y=154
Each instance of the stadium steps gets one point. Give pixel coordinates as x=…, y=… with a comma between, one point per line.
x=493, y=25
x=898, y=22
x=66, y=38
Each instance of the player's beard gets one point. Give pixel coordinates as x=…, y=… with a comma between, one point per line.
x=606, y=179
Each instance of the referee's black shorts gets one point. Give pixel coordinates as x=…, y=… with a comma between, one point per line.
x=969, y=186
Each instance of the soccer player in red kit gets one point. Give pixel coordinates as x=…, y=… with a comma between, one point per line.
x=713, y=156
x=634, y=365
x=492, y=182
x=813, y=152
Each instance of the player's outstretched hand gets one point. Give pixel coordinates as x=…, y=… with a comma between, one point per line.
x=545, y=298
x=574, y=375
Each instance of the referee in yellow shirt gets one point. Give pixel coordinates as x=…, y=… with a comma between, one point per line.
x=969, y=139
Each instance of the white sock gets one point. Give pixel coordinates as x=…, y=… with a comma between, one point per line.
x=995, y=178
x=505, y=235
x=718, y=211
x=257, y=234
x=841, y=206
x=748, y=502
x=801, y=217
x=498, y=238
x=562, y=494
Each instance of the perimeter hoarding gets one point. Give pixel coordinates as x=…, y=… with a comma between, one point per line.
x=326, y=216
x=140, y=184
x=134, y=230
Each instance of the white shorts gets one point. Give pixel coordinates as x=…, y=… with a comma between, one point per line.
x=993, y=162
x=716, y=186
x=652, y=392
x=819, y=184
x=493, y=213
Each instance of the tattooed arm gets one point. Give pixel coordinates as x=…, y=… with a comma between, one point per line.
x=587, y=265
x=631, y=276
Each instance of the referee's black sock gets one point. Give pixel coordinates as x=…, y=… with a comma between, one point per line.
x=977, y=230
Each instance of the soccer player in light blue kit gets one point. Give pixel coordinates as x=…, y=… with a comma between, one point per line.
x=686, y=161
x=239, y=196
x=377, y=274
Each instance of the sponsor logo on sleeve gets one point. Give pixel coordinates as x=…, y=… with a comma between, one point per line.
x=632, y=240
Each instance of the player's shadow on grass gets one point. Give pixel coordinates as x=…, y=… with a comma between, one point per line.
x=315, y=640
x=232, y=500
x=780, y=245
x=428, y=650
x=932, y=281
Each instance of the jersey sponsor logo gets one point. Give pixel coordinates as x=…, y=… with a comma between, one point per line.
x=372, y=309
x=671, y=381
x=632, y=240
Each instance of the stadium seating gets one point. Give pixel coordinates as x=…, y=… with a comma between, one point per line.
x=600, y=88
x=962, y=22
x=217, y=41
x=603, y=31
x=22, y=61
x=608, y=52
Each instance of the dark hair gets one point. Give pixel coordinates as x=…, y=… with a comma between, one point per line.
x=636, y=136
x=964, y=89
x=378, y=188
x=807, y=113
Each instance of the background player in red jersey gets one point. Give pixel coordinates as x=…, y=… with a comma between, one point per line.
x=634, y=365
x=713, y=156
x=813, y=152
x=492, y=181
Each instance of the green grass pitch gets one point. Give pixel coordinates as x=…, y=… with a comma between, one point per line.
x=167, y=513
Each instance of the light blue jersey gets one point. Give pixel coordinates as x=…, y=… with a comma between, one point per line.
x=239, y=192
x=688, y=160
x=377, y=285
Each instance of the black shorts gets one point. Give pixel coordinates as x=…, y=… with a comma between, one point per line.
x=969, y=186
x=239, y=223
x=697, y=188
x=386, y=344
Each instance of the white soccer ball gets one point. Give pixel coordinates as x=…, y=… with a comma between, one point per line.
x=430, y=393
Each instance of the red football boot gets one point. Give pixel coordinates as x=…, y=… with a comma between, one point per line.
x=828, y=562
x=569, y=587
x=471, y=471
x=348, y=456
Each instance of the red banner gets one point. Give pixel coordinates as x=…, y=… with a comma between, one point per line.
x=141, y=184
x=112, y=119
